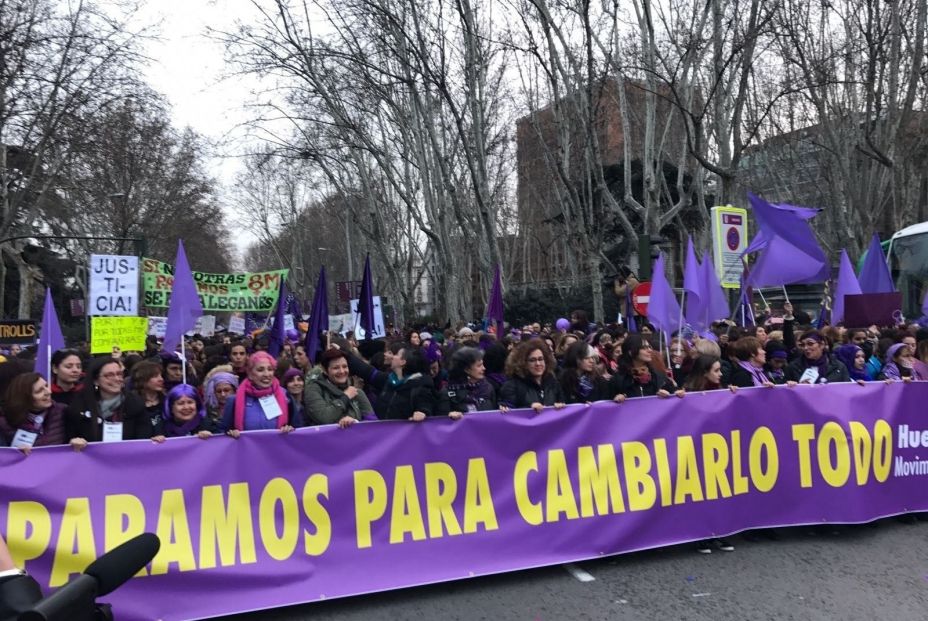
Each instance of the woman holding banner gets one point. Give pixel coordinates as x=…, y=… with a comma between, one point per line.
x=467, y=389
x=67, y=370
x=637, y=375
x=815, y=366
x=330, y=398
x=579, y=380
x=30, y=416
x=750, y=358
x=183, y=414
x=260, y=402
x=531, y=383
x=104, y=411
x=148, y=383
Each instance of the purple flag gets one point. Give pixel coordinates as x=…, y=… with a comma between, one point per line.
x=695, y=292
x=715, y=298
x=278, y=332
x=366, y=301
x=185, y=306
x=50, y=338
x=763, y=237
x=791, y=255
x=846, y=285
x=663, y=309
x=630, y=323
x=495, y=302
x=319, y=318
x=874, y=275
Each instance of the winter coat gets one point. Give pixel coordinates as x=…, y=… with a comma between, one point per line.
x=520, y=392
x=400, y=399
x=325, y=403
x=83, y=419
x=52, y=431
x=835, y=371
x=623, y=383
x=467, y=397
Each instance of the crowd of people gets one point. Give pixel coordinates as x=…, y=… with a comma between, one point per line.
x=233, y=385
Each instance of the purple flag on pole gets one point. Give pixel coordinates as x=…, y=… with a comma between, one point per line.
x=50, y=338
x=366, y=301
x=846, y=285
x=663, y=308
x=278, y=332
x=874, y=275
x=791, y=255
x=185, y=306
x=744, y=315
x=495, y=303
x=319, y=317
x=695, y=291
x=763, y=237
x=630, y=323
x=716, y=300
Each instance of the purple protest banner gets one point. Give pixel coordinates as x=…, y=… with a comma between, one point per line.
x=275, y=519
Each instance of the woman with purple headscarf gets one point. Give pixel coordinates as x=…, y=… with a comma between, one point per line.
x=855, y=360
x=184, y=414
x=220, y=385
x=900, y=364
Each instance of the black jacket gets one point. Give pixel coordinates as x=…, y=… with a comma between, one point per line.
x=519, y=393
x=835, y=371
x=416, y=394
x=83, y=418
x=742, y=378
x=464, y=398
x=571, y=392
x=623, y=383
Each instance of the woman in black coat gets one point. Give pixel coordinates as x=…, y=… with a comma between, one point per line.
x=408, y=392
x=531, y=382
x=636, y=376
x=815, y=366
x=467, y=389
x=579, y=380
x=105, y=411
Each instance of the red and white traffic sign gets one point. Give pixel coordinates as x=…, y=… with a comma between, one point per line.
x=641, y=295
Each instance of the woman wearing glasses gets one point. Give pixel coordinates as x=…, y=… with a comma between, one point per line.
x=636, y=375
x=815, y=365
x=531, y=383
x=105, y=411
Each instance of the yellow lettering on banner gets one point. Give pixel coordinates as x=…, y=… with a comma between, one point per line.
x=124, y=518
x=835, y=474
x=174, y=533
x=763, y=441
x=715, y=465
x=530, y=511
x=316, y=487
x=28, y=530
x=406, y=516
x=599, y=481
x=478, y=501
x=226, y=525
x=863, y=451
x=803, y=434
x=441, y=488
x=560, y=494
x=75, y=548
x=738, y=480
x=882, y=450
x=636, y=460
x=688, y=483
x=663, y=471
x=370, y=503
x=279, y=545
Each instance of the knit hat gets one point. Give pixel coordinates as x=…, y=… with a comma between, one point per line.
x=289, y=374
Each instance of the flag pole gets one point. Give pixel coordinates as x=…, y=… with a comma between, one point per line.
x=785, y=295
x=680, y=324
x=48, y=365
x=183, y=358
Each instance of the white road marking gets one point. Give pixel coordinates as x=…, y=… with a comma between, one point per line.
x=578, y=573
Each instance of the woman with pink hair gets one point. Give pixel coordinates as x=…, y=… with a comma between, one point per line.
x=259, y=402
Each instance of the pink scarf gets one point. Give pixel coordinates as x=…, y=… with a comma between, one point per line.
x=247, y=389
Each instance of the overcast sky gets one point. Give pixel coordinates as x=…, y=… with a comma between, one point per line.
x=188, y=67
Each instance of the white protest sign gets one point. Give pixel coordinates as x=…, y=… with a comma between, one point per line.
x=379, y=331
x=114, y=285
x=341, y=323
x=206, y=326
x=237, y=324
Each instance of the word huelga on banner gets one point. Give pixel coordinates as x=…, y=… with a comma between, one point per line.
x=126, y=333
x=18, y=332
x=247, y=291
x=440, y=500
x=114, y=285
